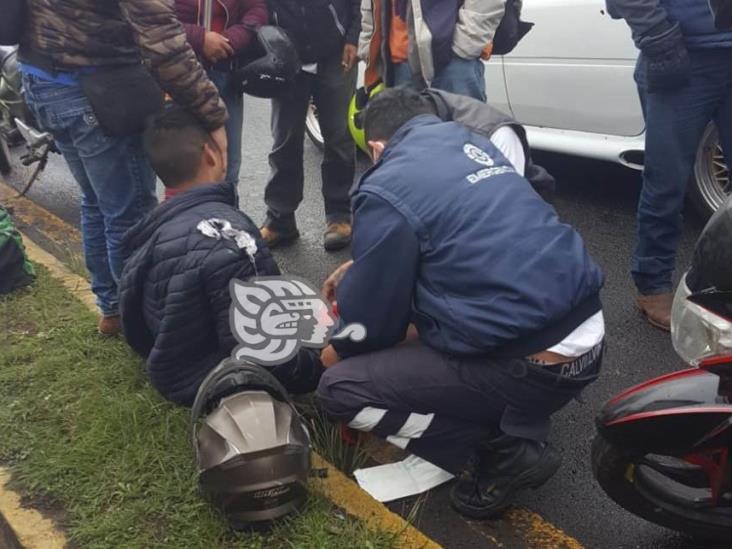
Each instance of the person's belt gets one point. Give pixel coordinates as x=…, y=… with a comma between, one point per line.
x=548, y=357
x=47, y=64
x=570, y=367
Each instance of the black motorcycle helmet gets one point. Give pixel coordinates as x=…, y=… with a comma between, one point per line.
x=270, y=69
x=710, y=276
x=252, y=447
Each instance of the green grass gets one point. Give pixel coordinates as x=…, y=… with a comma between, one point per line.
x=84, y=432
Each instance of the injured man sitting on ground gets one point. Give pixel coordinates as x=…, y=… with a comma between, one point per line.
x=174, y=291
x=502, y=298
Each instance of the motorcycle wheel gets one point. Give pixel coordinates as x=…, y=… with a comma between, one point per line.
x=641, y=489
x=5, y=166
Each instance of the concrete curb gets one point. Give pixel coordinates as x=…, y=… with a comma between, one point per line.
x=23, y=527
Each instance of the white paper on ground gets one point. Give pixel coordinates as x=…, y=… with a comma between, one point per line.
x=402, y=479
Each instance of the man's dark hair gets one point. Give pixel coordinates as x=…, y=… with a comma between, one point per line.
x=389, y=110
x=174, y=140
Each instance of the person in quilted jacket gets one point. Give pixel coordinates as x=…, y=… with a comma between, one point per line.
x=174, y=291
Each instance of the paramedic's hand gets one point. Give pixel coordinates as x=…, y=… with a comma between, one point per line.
x=216, y=47
x=331, y=283
x=329, y=357
x=350, y=57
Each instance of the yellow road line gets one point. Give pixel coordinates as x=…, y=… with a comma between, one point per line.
x=539, y=533
x=32, y=529
x=349, y=496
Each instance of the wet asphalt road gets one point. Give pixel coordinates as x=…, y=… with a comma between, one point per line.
x=599, y=200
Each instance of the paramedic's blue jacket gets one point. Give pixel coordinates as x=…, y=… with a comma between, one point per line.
x=448, y=236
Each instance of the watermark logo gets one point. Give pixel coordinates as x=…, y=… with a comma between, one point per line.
x=273, y=317
x=476, y=154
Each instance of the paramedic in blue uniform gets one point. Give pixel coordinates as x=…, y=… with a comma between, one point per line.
x=481, y=307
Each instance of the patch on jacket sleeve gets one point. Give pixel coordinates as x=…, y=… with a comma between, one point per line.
x=220, y=228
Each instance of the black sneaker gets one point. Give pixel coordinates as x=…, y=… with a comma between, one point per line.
x=506, y=466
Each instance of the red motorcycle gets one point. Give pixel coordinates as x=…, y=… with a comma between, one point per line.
x=663, y=448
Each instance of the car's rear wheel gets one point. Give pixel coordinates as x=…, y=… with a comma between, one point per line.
x=711, y=185
x=312, y=127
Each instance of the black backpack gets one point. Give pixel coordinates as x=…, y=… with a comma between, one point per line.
x=511, y=30
x=12, y=21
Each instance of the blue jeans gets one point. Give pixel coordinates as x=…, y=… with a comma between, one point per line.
x=675, y=123
x=460, y=76
x=116, y=180
x=235, y=105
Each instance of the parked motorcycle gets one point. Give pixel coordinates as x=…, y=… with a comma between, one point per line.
x=17, y=126
x=663, y=447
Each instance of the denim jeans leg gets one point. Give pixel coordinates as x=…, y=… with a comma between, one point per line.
x=96, y=256
x=332, y=95
x=675, y=122
x=283, y=192
x=463, y=77
x=124, y=184
x=57, y=108
x=235, y=105
x=403, y=74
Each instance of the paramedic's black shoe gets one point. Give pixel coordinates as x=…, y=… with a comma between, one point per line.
x=506, y=465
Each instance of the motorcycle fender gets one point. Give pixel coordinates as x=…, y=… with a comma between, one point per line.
x=690, y=409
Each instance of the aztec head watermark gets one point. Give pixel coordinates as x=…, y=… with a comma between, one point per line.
x=272, y=317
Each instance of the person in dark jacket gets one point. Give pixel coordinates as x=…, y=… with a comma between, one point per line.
x=684, y=77
x=233, y=27
x=174, y=291
x=66, y=41
x=325, y=34
x=503, y=297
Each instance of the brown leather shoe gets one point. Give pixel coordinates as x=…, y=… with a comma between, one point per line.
x=337, y=236
x=110, y=325
x=273, y=238
x=657, y=309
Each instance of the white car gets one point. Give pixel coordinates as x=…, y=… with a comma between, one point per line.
x=570, y=82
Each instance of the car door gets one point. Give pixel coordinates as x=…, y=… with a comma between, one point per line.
x=574, y=70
